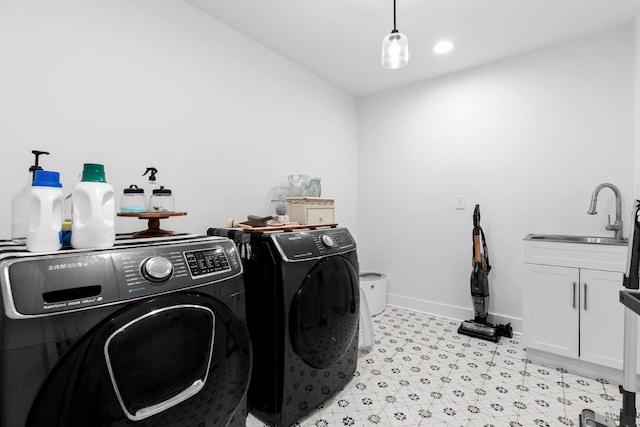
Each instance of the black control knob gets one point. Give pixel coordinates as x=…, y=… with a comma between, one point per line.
x=327, y=240
x=156, y=269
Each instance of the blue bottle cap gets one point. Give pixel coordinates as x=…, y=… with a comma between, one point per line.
x=46, y=179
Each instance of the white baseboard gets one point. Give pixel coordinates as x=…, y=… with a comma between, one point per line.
x=614, y=376
x=449, y=311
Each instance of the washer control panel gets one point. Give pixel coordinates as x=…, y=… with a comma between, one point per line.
x=47, y=284
x=302, y=245
x=207, y=262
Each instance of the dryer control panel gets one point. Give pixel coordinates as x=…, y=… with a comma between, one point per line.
x=309, y=244
x=36, y=285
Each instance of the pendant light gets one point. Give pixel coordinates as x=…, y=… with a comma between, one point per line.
x=395, y=47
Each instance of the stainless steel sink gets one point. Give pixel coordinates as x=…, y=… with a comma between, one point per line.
x=594, y=240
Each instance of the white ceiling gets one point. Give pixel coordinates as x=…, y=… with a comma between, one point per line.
x=340, y=40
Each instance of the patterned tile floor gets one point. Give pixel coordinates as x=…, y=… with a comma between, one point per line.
x=420, y=372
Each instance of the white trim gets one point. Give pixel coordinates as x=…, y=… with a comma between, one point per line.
x=449, y=311
x=576, y=366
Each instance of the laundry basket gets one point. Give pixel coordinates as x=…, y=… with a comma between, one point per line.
x=375, y=289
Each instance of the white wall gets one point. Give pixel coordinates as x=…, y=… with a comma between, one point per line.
x=636, y=107
x=159, y=83
x=132, y=84
x=528, y=138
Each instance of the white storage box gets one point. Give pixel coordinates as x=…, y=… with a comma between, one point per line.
x=311, y=210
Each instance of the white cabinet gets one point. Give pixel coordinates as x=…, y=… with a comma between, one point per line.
x=571, y=305
x=574, y=312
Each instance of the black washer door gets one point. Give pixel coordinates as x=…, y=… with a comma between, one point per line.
x=325, y=312
x=175, y=360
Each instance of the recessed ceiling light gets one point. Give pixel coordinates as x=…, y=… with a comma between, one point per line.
x=442, y=47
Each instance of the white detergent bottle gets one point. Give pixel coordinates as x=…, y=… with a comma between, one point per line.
x=44, y=218
x=20, y=204
x=94, y=210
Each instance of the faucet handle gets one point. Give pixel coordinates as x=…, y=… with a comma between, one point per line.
x=613, y=227
x=609, y=226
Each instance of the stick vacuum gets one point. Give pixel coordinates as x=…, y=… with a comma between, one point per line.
x=630, y=298
x=479, y=327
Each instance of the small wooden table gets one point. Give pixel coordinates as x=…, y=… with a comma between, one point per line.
x=153, y=225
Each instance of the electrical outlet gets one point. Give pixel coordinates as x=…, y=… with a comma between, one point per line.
x=460, y=203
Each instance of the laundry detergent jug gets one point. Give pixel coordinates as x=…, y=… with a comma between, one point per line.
x=93, y=223
x=44, y=213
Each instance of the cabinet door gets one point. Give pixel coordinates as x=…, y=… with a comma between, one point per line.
x=551, y=309
x=601, y=318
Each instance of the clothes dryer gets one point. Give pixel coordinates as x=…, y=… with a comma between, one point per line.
x=303, y=312
x=151, y=332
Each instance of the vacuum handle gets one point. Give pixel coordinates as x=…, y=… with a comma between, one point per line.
x=574, y=294
x=476, y=248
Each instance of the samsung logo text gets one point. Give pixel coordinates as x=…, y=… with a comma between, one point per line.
x=68, y=265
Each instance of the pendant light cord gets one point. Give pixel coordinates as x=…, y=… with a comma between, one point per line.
x=394, y=16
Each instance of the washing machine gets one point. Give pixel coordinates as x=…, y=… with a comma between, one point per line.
x=303, y=313
x=150, y=332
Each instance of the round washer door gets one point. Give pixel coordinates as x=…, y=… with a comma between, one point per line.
x=324, y=313
x=181, y=359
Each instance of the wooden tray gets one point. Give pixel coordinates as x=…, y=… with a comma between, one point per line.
x=289, y=228
x=153, y=226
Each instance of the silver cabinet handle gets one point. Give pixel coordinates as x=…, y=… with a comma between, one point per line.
x=574, y=294
x=585, y=296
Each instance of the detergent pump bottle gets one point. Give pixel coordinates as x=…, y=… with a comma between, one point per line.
x=150, y=186
x=44, y=231
x=20, y=204
x=93, y=224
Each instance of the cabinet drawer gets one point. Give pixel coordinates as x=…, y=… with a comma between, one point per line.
x=319, y=215
x=576, y=255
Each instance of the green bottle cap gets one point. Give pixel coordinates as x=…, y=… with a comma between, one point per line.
x=93, y=172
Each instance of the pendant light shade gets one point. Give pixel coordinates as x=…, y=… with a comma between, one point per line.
x=395, y=47
x=395, y=50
